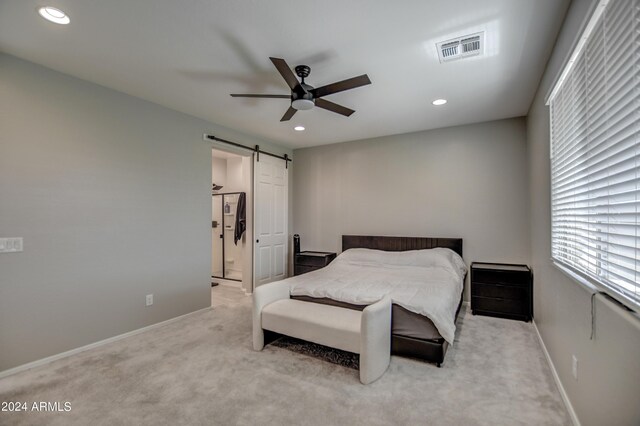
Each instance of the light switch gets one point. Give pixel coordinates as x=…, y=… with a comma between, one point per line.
x=11, y=245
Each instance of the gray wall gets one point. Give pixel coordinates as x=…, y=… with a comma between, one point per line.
x=607, y=391
x=468, y=181
x=112, y=197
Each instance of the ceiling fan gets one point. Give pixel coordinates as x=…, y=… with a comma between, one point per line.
x=304, y=96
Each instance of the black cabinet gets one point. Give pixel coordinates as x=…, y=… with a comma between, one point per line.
x=502, y=290
x=307, y=261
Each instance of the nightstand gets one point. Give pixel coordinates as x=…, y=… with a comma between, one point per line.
x=307, y=261
x=502, y=290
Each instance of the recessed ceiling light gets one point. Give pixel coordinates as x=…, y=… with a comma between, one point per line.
x=298, y=128
x=439, y=102
x=54, y=15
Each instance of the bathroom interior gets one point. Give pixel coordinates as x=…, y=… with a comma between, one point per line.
x=231, y=220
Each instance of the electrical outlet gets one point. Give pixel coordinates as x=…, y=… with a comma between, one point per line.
x=149, y=299
x=574, y=367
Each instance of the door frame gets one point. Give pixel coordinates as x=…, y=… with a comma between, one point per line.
x=248, y=283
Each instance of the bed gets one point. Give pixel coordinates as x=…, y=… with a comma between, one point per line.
x=413, y=333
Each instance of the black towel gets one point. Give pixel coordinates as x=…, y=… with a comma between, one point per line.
x=241, y=218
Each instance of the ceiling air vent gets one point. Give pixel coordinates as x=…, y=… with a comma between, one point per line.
x=449, y=50
x=461, y=47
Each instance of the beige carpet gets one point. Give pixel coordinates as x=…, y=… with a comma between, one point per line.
x=201, y=370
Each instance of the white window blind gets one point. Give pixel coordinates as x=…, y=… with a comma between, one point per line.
x=595, y=156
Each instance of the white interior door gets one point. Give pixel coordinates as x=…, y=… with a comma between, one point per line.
x=271, y=223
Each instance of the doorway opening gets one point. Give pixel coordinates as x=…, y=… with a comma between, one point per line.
x=262, y=177
x=231, y=220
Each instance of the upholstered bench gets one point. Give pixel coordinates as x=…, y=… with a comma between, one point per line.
x=367, y=332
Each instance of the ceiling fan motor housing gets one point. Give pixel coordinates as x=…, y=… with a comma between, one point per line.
x=302, y=99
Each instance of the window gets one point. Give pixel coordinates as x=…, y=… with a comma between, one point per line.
x=595, y=154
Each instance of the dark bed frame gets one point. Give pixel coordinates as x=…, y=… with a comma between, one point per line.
x=428, y=350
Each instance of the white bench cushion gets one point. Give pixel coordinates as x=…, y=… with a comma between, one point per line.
x=323, y=324
x=367, y=333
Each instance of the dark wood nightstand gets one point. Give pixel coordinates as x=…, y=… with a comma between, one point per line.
x=307, y=261
x=502, y=290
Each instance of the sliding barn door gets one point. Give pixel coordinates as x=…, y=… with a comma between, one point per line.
x=271, y=225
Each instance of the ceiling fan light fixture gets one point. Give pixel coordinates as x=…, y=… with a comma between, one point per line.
x=298, y=128
x=302, y=104
x=439, y=102
x=54, y=15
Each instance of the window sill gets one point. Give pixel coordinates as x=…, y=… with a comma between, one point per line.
x=629, y=308
x=584, y=283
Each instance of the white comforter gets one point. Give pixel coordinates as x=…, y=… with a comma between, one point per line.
x=427, y=282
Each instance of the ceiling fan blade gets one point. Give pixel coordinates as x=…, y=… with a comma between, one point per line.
x=287, y=115
x=340, y=86
x=261, y=96
x=286, y=73
x=330, y=106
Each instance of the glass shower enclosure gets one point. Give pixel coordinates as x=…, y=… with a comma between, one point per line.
x=227, y=256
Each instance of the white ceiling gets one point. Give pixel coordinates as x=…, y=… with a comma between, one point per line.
x=190, y=55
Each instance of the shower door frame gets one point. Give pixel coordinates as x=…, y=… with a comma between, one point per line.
x=224, y=236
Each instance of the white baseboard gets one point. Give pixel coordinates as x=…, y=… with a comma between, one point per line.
x=56, y=357
x=563, y=393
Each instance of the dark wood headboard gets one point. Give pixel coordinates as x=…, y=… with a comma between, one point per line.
x=400, y=243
